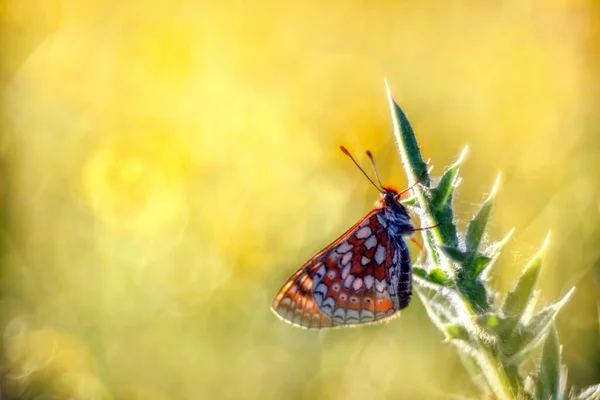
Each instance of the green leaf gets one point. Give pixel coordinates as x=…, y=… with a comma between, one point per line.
x=548, y=380
x=476, y=227
x=479, y=263
x=437, y=275
x=517, y=300
x=533, y=332
x=412, y=201
x=443, y=192
x=489, y=321
x=493, y=256
x=420, y=272
x=453, y=253
x=475, y=293
x=496, y=249
x=416, y=170
x=456, y=331
x=409, y=148
x=439, y=301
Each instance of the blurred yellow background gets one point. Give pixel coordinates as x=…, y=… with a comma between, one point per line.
x=165, y=165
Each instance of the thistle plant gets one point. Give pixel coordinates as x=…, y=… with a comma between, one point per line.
x=496, y=334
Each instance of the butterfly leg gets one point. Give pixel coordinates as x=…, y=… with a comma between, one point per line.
x=419, y=245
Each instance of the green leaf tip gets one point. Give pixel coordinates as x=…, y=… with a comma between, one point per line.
x=548, y=382
x=407, y=142
x=443, y=192
x=518, y=299
x=492, y=255
x=534, y=330
x=454, y=253
x=479, y=263
x=501, y=243
x=477, y=225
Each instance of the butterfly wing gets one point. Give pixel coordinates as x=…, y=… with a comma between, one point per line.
x=352, y=281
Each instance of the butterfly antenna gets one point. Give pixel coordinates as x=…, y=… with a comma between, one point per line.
x=370, y=155
x=413, y=185
x=346, y=152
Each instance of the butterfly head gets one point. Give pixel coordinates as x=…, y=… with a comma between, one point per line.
x=395, y=213
x=396, y=217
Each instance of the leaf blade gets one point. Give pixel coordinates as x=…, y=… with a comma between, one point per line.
x=517, y=300
x=407, y=141
x=477, y=225
x=548, y=383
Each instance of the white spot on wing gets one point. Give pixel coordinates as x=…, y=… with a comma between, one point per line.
x=339, y=315
x=318, y=298
x=391, y=290
x=344, y=247
x=321, y=271
x=350, y=313
x=328, y=303
x=363, y=232
x=380, y=285
x=380, y=254
x=369, y=280
x=357, y=284
x=322, y=288
x=346, y=258
x=371, y=242
x=365, y=260
x=381, y=220
x=366, y=315
x=345, y=271
x=348, y=281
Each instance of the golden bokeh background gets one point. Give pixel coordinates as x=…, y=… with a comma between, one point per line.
x=165, y=165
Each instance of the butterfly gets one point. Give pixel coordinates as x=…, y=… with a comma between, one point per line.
x=363, y=277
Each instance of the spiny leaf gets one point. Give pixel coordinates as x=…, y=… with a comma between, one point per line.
x=548, y=380
x=489, y=321
x=476, y=227
x=409, y=147
x=411, y=201
x=517, y=300
x=474, y=291
x=456, y=331
x=498, y=246
x=436, y=275
x=446, y=229
x=493, y=255
x=437, y=302
x=453, y=253
x=479, y=263
x=416, y=169
x=442, y=193
x=533, y=332
x=420, y=272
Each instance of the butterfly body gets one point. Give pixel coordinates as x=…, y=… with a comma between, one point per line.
x=362, y=277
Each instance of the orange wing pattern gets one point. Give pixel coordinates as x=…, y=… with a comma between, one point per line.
x=354, y=280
